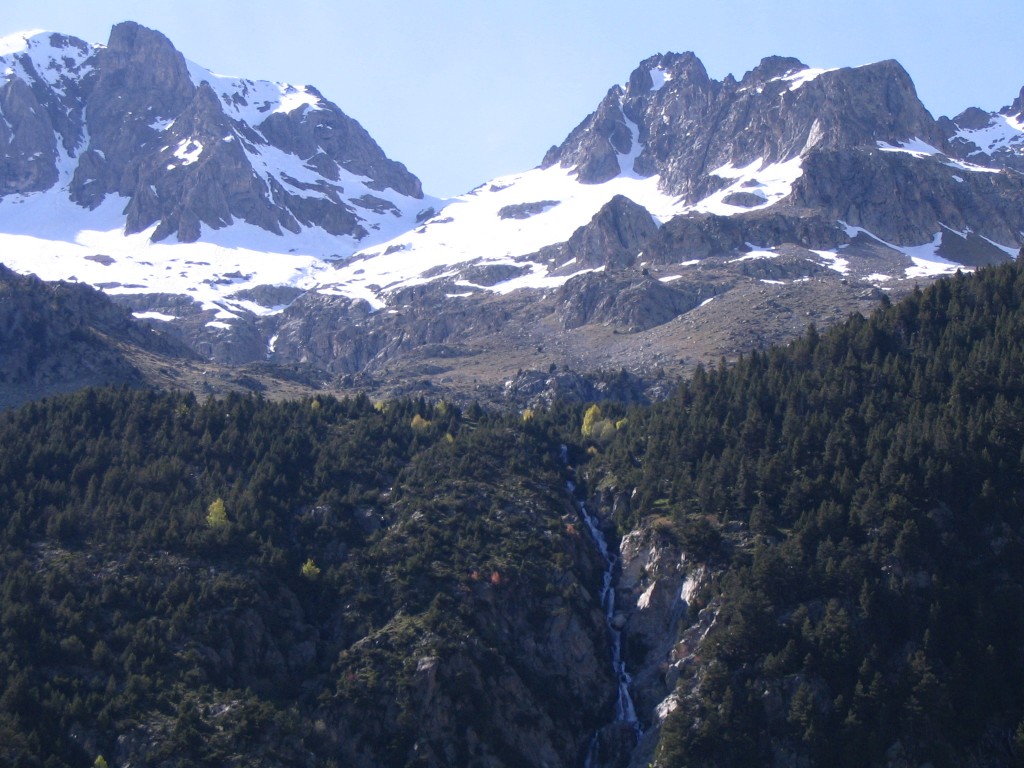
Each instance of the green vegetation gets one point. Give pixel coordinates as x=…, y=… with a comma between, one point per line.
x=310, y=570
x=341, y=582
x=285, y=622
x=216, y=515
x=862, y=492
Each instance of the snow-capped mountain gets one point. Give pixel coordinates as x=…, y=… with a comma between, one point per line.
x=992, y=139
x=685, y=218
x=112, y=156
x=785, y=138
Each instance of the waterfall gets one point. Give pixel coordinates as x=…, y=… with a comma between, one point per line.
x=625, y=711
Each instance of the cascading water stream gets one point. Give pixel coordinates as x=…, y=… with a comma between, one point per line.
x=625, y=711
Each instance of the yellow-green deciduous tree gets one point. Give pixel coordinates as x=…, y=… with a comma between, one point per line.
x=310, y=570
x=590, y=418
x=596, y=427
x=216, y=515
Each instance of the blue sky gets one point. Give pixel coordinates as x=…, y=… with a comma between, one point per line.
x=462, y=91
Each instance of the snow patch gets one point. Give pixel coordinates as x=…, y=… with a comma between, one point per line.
x=293, y=98
x=754, y=255
x=253, y=101
x=920, y=149
x=660, y=77
x=797, y=79
x=18, y=41
x=188, y=151
x=1002, y=132
x=927, y=262
x=834, y=261
x=138, y=266
x=925, y=257
x=627, y=161
x=771, y=182
x=154, y=316
x=49, y=63
x=481, y=237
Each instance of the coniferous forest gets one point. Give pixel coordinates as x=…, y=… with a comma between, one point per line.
x=237, y=581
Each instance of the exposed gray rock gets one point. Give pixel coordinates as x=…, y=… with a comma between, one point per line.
x=544, y=388
x=633, y=302
x=906, y=200
x=612, y=239
x=169, y=147
x=744, y=199
x=525, y=210
x=689, y=125
x=1001, y=147
x=699, y=236
x=27, y=142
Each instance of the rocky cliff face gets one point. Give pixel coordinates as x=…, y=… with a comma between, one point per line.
x=990, y=139
x=664, y=596
x=187, y=149
x=686, y=219
x=56, y=337
x=686, y=125
x=858, y=143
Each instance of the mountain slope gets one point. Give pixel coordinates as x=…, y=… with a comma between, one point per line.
x=821, y=566
x=806, y=193
x=824, y=565
x=994, y=139
x=785, y=137
x=185, y=148
x=59, y=338
x=311, y=583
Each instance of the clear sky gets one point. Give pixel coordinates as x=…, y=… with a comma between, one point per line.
x=462, y=91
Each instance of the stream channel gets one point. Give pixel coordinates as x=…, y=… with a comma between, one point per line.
x=606, y=746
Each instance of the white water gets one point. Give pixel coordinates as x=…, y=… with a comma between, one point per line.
x=625, y=711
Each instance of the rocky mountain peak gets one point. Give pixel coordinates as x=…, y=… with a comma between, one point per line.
x=684, y=71
x=140, y=79
x=611, y=239
x=188, y=149
x=772, y=68
x=143, y=66
x=674, y=121
x=594, y=146
x=39, y=104
x=1017, y=108
x=988, y=139
x=973, y=118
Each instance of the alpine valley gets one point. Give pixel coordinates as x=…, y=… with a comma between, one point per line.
x=698, y=444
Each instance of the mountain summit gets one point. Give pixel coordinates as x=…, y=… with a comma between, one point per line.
x=684, y=219
x=182, y=149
